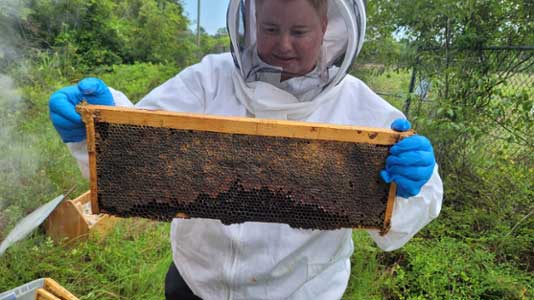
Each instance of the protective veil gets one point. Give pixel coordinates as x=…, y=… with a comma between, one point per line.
x=299, y=96
x=266, y=260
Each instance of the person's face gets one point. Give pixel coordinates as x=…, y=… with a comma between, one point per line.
x=289, y=35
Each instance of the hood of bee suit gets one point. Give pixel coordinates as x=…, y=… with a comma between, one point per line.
x=259, y=86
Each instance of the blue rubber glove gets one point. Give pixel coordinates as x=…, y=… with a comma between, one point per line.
x=62, y=105
x=410, y=163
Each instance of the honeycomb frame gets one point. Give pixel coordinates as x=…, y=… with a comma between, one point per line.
x=241, y=184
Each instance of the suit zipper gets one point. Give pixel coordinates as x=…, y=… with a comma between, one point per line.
x=234, y=246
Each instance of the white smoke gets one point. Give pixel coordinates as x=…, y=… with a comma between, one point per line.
x=19, y=160
x=11, y=7
x=10, y=99
x=10, y=11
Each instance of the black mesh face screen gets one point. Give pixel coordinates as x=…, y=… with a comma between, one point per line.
x=162, y=173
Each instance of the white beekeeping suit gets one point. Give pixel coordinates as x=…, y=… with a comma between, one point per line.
x=267, y=260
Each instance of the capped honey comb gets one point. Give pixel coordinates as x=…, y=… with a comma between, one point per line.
x=162, y=165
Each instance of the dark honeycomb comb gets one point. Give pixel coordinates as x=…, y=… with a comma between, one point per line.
x=162, y=165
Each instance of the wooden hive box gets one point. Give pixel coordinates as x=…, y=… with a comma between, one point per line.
x=51, y=290
x=39, y=289
x=162, y=165
x=74, y=220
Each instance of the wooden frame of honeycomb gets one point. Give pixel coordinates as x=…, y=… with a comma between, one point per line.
x=161, y=165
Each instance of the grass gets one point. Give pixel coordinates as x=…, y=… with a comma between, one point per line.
x=129, y=263
x=367, y=274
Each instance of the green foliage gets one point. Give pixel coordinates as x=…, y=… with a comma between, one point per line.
x=170, y=42
x=380, y=44
x=480, y=121
x=367, y=274
x=218, y=43
x=130, y=263
x=469, y=23
x=94, y=33
x=137, y=79
x=391, y=84
x=477, y=115
x=453, y=269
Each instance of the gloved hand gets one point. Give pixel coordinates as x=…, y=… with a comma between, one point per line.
x=410, y=163
x=62, y=105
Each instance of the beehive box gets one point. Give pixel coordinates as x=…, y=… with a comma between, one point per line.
x=40, y=289
x=161, y=165
x=74, y=220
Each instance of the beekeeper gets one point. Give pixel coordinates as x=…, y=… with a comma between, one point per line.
x=288, y=60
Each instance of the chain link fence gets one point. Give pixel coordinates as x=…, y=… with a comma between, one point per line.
x=438, y=70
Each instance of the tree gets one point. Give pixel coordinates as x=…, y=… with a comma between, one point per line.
x=105, y=32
